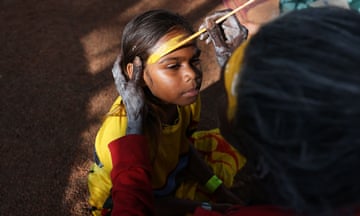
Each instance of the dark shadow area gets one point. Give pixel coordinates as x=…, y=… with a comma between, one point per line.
x=212, y=98
x=46, y=133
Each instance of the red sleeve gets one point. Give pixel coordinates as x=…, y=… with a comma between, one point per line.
x=202, y=212
x=131, y=176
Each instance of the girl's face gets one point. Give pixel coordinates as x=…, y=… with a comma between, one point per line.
x=176, y=77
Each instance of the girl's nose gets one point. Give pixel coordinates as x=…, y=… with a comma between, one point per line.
x=189, y=74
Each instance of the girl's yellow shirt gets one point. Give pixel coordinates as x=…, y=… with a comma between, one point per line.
x=173, y=143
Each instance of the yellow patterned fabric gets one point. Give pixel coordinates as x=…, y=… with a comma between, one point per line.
x=224, y=160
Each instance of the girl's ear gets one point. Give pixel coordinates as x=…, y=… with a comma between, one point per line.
x=129, y=70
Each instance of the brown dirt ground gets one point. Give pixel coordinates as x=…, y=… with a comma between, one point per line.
x=56, y=84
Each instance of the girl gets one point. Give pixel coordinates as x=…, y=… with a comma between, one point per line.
x=159, y=87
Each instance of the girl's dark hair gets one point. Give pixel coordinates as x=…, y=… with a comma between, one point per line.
x=139, y=36
x=298, y=113
x=142, y=33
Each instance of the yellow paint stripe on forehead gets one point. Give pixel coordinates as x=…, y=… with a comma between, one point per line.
x=166, y=48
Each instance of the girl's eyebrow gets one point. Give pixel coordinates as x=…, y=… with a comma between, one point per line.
x=165, y=59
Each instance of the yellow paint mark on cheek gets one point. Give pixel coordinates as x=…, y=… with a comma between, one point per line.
x=165, y=49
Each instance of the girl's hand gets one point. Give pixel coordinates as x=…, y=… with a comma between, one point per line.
x=225, y=36
x=131, y=93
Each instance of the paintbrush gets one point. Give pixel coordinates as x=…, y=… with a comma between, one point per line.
x=174, y=45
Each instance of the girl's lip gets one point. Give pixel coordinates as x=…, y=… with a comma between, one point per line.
x=191, y=93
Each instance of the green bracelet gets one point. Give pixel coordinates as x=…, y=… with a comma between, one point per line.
x=213, y=183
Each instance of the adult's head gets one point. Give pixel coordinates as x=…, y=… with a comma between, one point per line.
x=297, y=116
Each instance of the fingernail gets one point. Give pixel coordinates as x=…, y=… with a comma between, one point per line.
x=137, y=60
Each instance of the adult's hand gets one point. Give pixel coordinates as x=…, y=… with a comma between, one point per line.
x=225, y=36
x=131, y=93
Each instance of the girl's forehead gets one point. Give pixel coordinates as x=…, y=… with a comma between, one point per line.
x=171, y=35
x=167, y=44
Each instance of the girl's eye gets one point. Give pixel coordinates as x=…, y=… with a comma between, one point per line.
x=173, y=66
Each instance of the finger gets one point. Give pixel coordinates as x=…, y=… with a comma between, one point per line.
x=138, y=69
x=216, y=36
x=116, y=71
x=201, y=26
x=209, y=24
x=236, y=35
x=208, y=40
x=234, y=30
x=211, y=27
x=231, y=34
x=231, y=22
x=203, y=35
